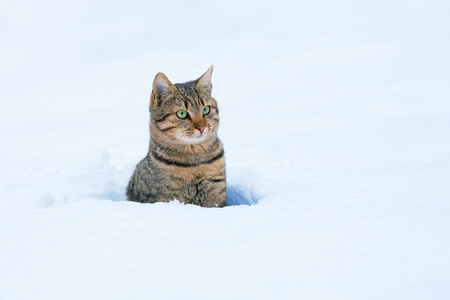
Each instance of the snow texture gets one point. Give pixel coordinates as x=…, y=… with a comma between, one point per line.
x=335, y=116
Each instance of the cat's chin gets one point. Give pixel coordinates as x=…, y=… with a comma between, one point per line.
x=193, y=140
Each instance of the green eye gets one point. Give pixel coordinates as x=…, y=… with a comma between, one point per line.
x=206, y=110
x=182, y=114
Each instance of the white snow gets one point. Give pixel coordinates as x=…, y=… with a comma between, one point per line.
x=335, y=116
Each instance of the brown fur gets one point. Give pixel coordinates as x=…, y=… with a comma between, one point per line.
x=185, y=159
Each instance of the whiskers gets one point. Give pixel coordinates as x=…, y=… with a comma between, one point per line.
x=168, y=145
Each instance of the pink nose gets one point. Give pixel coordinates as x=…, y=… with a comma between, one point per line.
x=201, y=128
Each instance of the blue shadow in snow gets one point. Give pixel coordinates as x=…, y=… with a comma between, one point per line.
x=111, y=191
x=239, y=196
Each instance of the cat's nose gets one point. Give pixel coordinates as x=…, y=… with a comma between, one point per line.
x=201, y=128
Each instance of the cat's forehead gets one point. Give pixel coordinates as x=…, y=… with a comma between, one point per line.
x=188, y=96
x=186, y=88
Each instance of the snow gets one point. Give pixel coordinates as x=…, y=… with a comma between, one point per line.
x=335, y=119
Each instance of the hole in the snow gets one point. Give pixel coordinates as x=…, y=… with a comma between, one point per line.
x=237, y=195
x=111, y=191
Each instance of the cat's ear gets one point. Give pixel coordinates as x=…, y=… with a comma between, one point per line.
x=204, y=82
x=161, y=87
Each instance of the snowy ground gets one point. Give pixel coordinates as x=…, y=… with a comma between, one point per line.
x=336, y=122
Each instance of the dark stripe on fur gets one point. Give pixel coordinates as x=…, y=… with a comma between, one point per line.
x=168, y=128
x=200, y=98
x=162, y=119
x=182, y=164
x=217, y=180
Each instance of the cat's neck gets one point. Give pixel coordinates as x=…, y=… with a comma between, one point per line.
x=201, y=149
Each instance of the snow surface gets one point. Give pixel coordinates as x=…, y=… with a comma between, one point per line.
x=335, y=117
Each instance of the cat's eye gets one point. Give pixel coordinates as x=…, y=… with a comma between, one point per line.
x=206, y=110
x=182, y=114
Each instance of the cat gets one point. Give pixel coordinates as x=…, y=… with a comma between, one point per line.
x=186, y=158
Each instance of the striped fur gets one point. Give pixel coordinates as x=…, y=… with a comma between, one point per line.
x=186, y=159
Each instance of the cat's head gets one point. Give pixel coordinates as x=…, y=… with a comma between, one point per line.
x=183, y=114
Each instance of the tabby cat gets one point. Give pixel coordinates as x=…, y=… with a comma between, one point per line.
x=186, y=159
